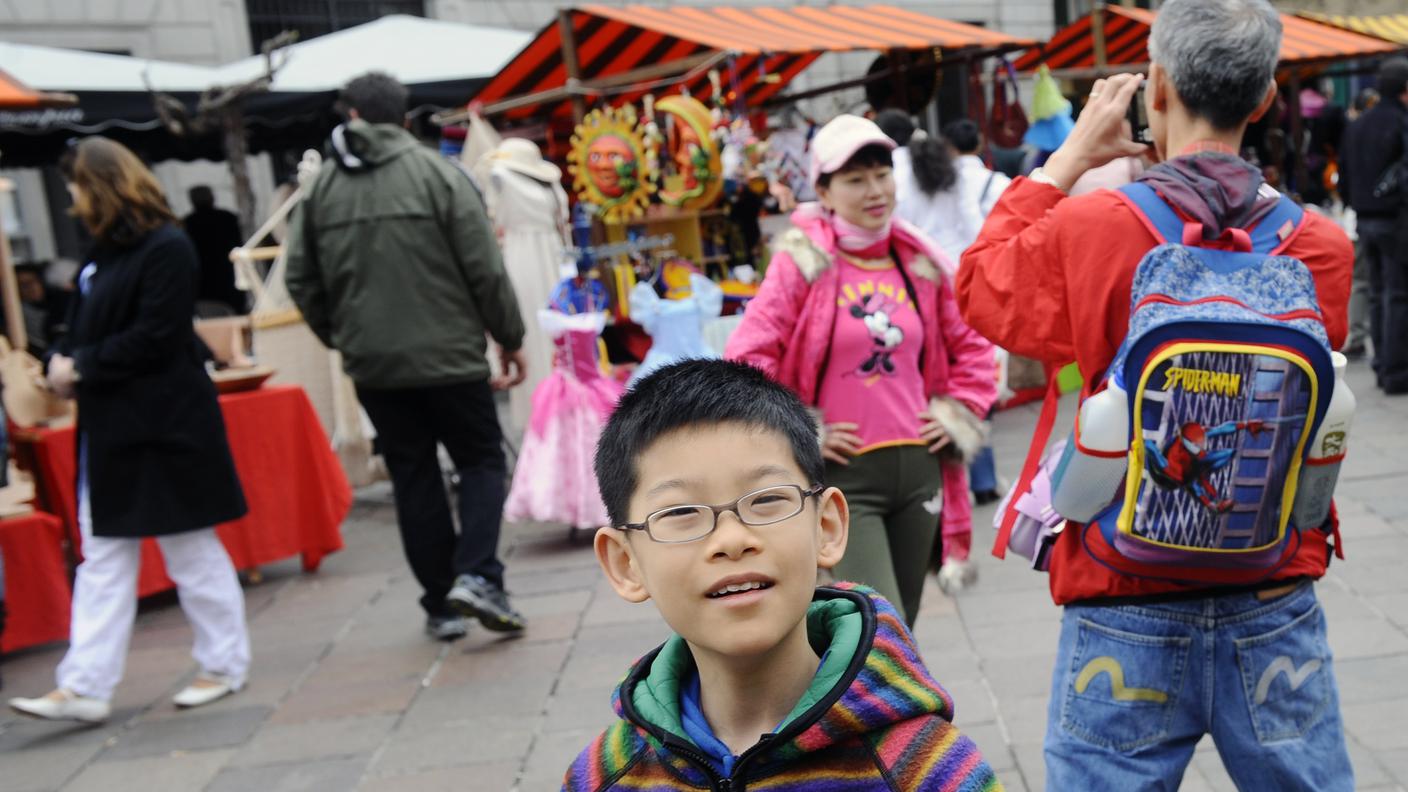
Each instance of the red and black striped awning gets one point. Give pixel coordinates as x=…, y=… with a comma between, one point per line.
x=1127, y=42
x=759, y=50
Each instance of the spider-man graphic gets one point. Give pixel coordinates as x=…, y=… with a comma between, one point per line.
x=876, y=311
x=1186, y=462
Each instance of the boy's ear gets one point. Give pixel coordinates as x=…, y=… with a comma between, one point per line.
x=614, y=553
x=834, y=528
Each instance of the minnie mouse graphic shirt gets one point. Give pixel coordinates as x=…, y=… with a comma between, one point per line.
x=872, y=375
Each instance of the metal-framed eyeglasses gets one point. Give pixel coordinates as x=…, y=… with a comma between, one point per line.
x=692, y=522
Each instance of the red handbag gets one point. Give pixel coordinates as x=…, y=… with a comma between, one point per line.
x=1009, y=121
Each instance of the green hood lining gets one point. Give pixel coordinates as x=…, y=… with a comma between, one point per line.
x=834, y=627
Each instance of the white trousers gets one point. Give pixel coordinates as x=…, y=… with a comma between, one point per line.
x=105, y=606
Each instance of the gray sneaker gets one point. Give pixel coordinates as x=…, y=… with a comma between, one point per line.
x=478, y=598
x=447, y=628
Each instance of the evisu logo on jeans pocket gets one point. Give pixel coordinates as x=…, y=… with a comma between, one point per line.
x=1284, y=665
x=1118, y=692
x=1286, y=677
x=1122, y=688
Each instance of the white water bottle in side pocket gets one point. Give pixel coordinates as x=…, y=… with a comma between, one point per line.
x=1321, y=469
x=1094, y=463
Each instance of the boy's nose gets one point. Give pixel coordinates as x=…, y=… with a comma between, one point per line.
x=731, y=537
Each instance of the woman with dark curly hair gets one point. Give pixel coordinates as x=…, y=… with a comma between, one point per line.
x=928, y=185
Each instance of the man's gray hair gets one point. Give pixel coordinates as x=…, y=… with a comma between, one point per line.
x=1220, y=54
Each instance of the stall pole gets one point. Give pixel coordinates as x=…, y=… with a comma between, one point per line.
x=1297, y=125
x=1097, y=35
x=9, y=289
x=570, y=62
x=899, y=62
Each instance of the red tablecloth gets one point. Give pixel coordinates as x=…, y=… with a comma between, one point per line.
x=36, y=581
x=296, y=490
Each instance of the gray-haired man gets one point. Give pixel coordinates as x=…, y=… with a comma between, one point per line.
x=1147, y=666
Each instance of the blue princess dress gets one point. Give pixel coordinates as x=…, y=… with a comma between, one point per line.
x=676, y=327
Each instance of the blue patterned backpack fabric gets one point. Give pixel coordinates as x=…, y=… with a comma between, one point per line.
x=1228, y=373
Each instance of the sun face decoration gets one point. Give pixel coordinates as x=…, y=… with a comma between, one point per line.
x=698, y=170
x=611, y=164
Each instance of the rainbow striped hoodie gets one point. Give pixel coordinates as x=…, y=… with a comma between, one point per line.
x=873, y=720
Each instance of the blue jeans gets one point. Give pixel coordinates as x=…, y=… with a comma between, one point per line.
x=1136, y=687
x=982, y=471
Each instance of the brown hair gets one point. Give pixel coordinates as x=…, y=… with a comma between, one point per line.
x=118, y=198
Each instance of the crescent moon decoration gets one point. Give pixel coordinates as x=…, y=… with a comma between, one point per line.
x=698, y=177
x=611, y=163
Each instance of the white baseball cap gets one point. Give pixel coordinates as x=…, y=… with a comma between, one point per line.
x=838, y=141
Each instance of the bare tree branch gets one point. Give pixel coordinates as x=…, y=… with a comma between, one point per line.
x=219, y=109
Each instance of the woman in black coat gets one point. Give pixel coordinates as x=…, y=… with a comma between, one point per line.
x=153, y=458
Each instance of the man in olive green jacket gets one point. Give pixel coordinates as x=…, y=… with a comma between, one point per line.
x=393, y=263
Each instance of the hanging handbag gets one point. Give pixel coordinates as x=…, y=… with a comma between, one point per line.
x=1009, y=121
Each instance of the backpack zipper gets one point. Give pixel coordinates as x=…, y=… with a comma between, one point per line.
x=1300, y=313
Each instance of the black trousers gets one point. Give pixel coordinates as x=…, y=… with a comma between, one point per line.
x=1383, y=240
x=410, y=423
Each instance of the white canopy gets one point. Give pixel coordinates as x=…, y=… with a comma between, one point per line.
x=55, y=69
x=442, y=63
x=412, y=49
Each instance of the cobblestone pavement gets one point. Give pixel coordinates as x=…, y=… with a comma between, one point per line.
x=347, y=693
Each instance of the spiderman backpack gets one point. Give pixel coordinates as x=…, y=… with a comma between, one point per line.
x=1226, y=373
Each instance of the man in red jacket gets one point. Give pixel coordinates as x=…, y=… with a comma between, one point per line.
x=1146, y=667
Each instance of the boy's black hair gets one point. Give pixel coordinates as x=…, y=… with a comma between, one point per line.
x=692, y=394
x=377, y=97
x=871, y=156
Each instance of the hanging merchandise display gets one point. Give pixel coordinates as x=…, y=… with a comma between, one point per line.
x=554, y=480
x=529, y=208
x=694, y=155
x=1052, y=112
x=612, y=163
x=676, y=326
x=1009, y=121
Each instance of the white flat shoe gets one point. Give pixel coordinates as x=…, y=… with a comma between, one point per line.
x=63, y=704
x=205, y=689
x=955, y=576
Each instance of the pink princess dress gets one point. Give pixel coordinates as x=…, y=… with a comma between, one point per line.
x=554, y=480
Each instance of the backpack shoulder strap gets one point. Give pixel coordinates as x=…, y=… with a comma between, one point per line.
x=1276, y=230
x=1157, y=215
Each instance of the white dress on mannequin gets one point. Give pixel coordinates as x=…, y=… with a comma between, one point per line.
x=531, y=216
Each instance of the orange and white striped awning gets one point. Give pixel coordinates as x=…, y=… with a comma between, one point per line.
x=1389, y=27
x=765, y=47
x=1126, y=33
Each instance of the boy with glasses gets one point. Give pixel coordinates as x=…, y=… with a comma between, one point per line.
x=712, y=475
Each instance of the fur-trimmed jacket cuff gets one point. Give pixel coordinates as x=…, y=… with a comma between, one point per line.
x=967, y=432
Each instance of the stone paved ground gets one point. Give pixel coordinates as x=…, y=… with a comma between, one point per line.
x=348, y=694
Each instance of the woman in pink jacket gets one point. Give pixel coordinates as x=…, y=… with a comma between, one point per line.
x=857, y=315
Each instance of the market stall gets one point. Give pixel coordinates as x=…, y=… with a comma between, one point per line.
x=36, y=580
x=617, y=55
x=678, y=146
x=1114, y=39
x=32, y=563
x=295, y=488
